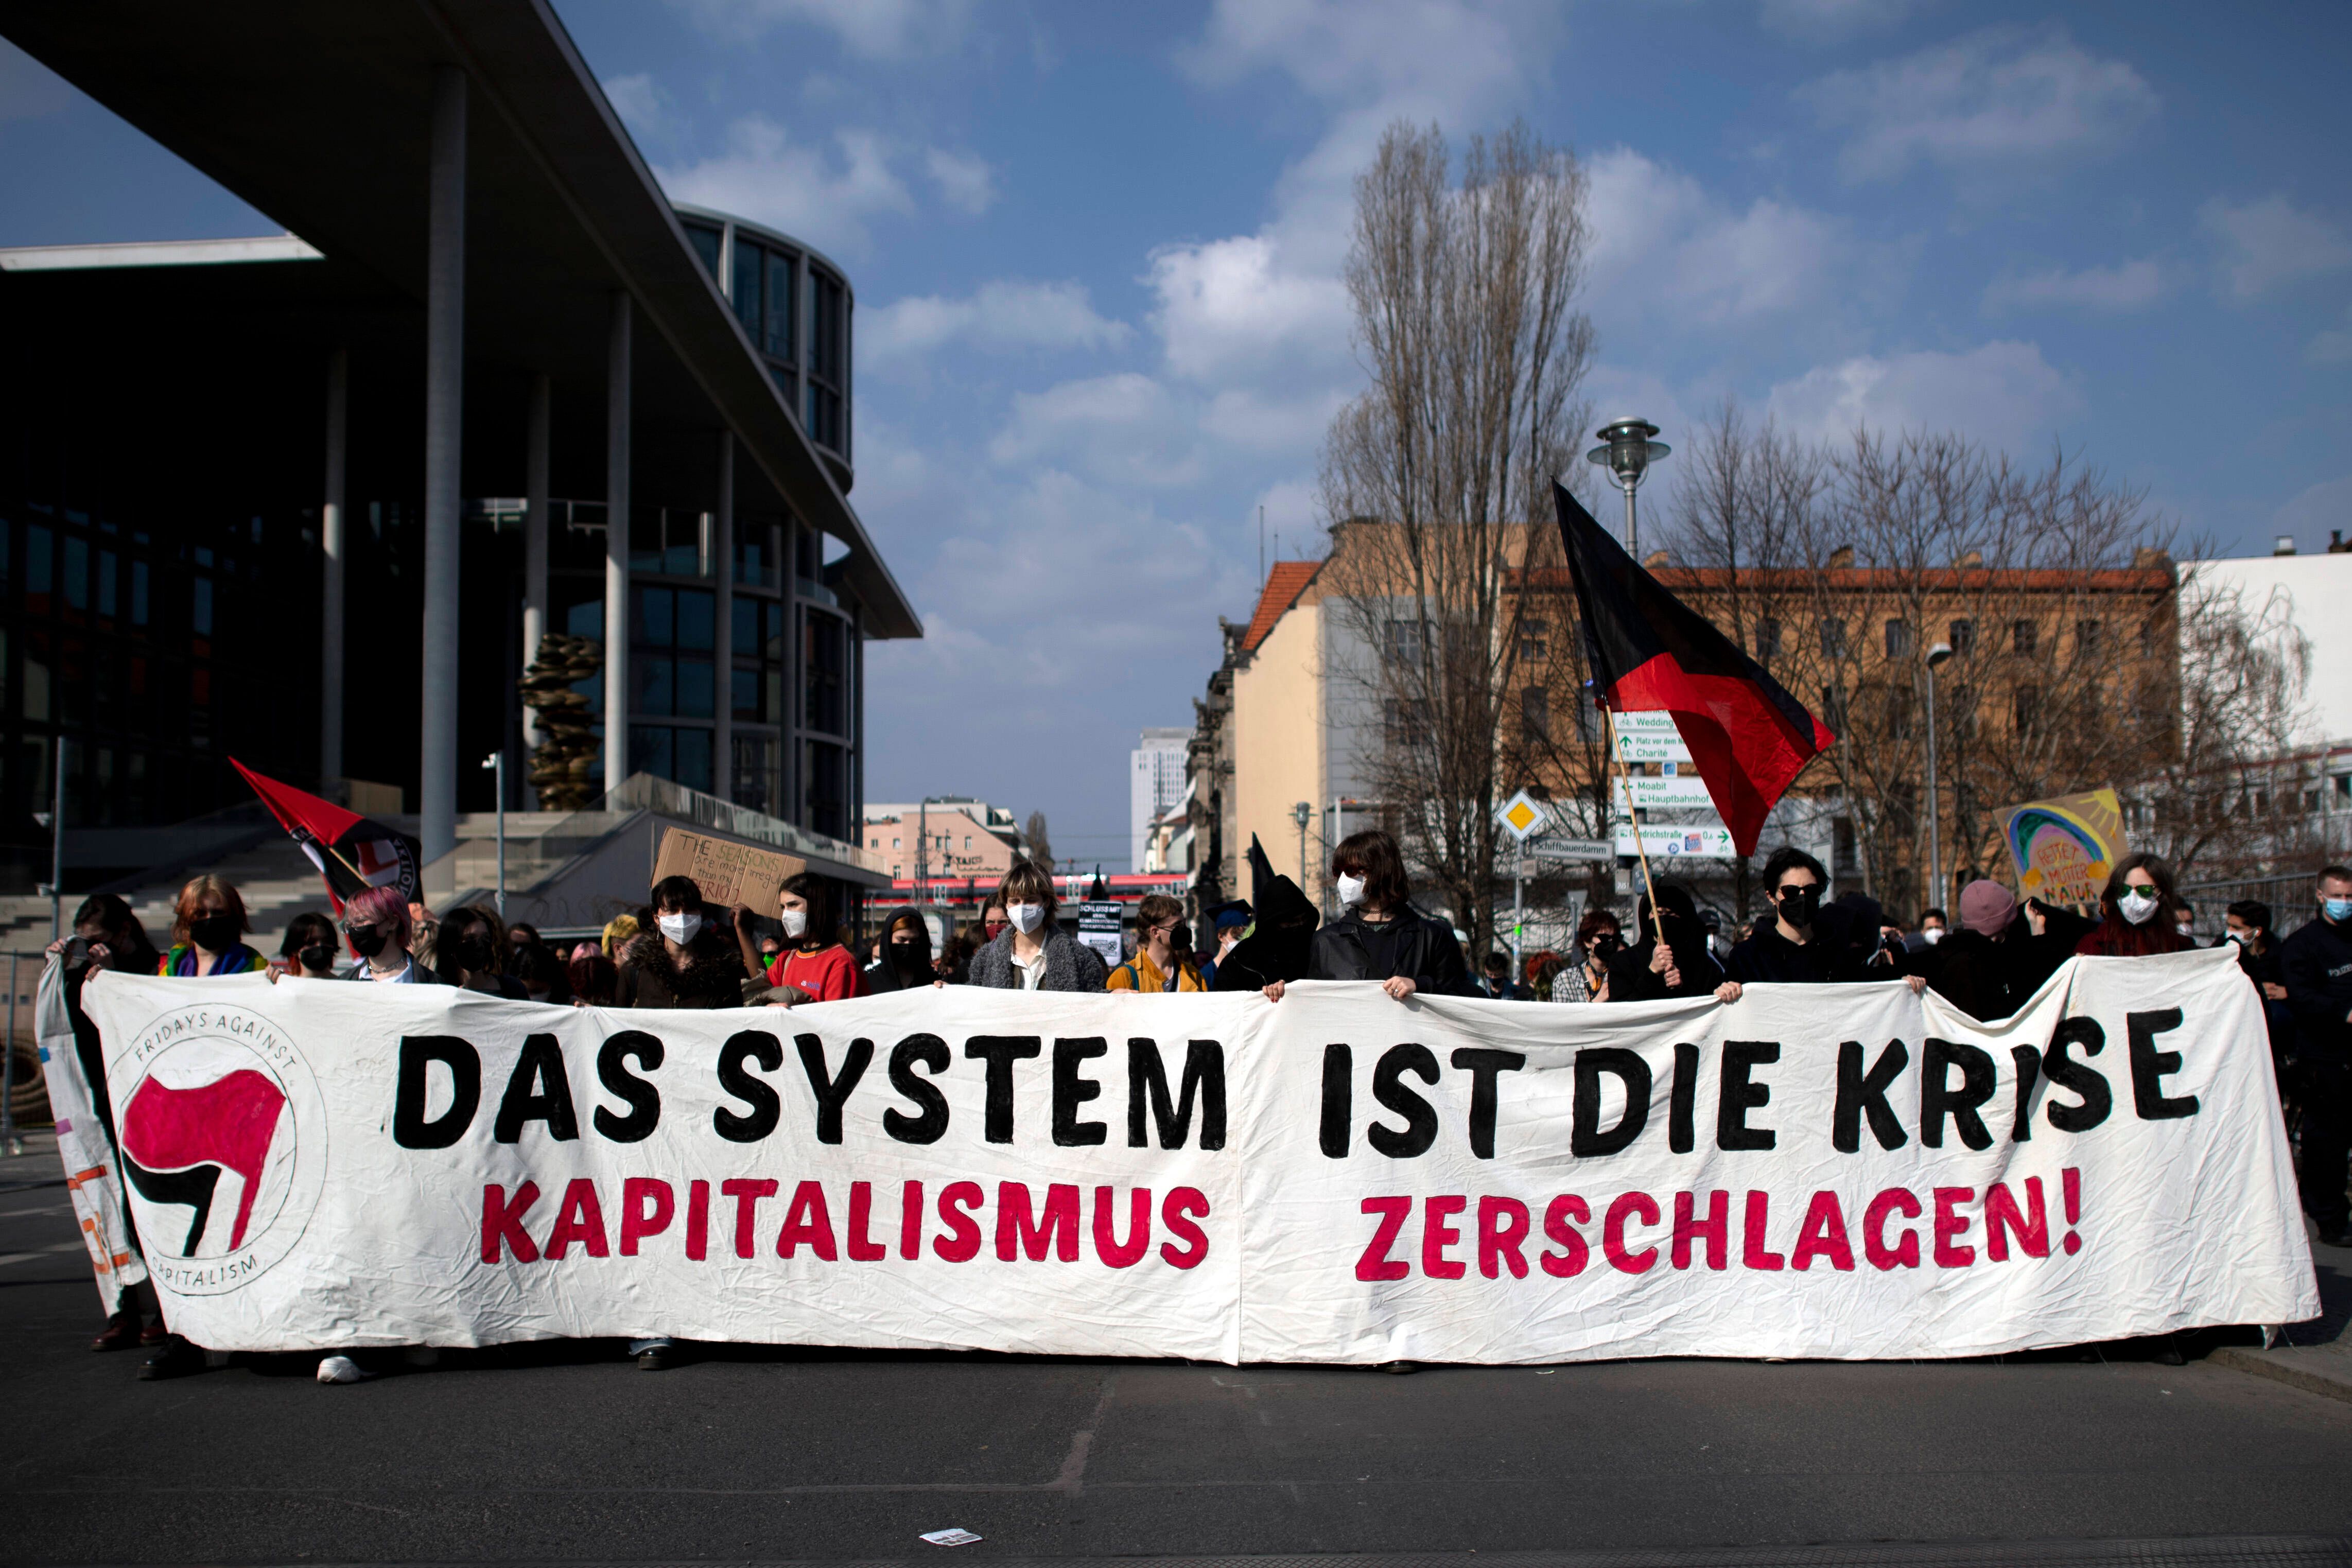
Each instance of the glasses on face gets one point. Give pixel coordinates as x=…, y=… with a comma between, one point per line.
x=1788, y=889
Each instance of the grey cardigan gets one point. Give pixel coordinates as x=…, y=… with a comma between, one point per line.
x=1068, y=965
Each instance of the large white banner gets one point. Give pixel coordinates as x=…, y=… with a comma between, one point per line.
x=1814, y=1170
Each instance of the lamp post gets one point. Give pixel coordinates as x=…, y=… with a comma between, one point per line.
x=1937, y=656
x=1302, y=814
x=1628, y=456
x=496, y=765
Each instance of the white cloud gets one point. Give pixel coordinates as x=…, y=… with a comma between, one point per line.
x=2132, y=286
x=1000, y=314
x=2002, y=393
x=965, y=181
x=2332, y=346
x=1826, y=21
x=1357, y=50
x=1119, y=429
x=1661, y=242
x=765, y=176
x=1232, y=307
x=28, y=89
x=876, y=29
x=1995, y=100
x=640, y=104
x=2272, y=241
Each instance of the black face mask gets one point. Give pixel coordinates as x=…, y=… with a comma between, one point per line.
x=1800, y=905
x=214, y=933
x=908, y=958
x=367, y=943
x=317, y=956
x=1606, y=945
x=474, y=954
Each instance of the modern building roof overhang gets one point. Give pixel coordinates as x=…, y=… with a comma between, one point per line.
x=319, y=116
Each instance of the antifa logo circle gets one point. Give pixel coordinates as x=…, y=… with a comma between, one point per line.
x=224, y=1142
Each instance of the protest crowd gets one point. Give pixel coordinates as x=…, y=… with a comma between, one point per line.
x=679, y=952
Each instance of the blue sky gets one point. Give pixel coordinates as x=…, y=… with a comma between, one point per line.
x=1095, y=250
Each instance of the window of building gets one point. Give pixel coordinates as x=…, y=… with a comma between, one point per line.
x=704, y=237
x=2025, y=709
x=1898, y=639
x=671, y=752
x=2021, y=637
x=825, y=654
x=1404, y=722
x=1964, y=638
x=76, y=573
x=1408, y=639
x=1833, y=637
x=1842, y=857
x=1900, y=708
x=1833, y=708
x=2086, y=639
x=670, y=628
x=1534, y=641
x=1767, y=639
x=1588, y=713
x=746, y=290
x=1534, y=713
x=783, y=296
x=39, y=569
x=828, y=362
x=200, y=610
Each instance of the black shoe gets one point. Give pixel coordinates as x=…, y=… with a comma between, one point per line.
x=660, y=1358
x=175, y=1358
x=2168, y=1353
x=1400, y=1368
x=121, y=1332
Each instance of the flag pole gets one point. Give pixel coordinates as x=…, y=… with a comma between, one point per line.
x=1641, y=850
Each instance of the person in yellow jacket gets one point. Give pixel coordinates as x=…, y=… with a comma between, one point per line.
x=1163, y=951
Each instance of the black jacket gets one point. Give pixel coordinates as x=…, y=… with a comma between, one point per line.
x=1984, y=978
x=2317, y=963
x=1840, y=950
x=1424, y=951
x=1630, y=979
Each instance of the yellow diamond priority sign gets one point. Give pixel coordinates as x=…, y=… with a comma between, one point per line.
x=1523, y=815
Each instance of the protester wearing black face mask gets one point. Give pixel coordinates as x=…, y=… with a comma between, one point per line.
x=1681, y=966
x=208, y=921
x=471, y=953
x=1585, y=978
x=906, y=961
x=1808, y=943
x=310, y=948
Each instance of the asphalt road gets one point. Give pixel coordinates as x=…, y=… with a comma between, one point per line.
x=571, y=1452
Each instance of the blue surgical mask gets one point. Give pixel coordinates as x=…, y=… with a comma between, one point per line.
x=2338, y=910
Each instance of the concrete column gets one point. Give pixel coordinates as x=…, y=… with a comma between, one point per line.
x=330, y=569
x=722, y=549
x=617, y=543
x=444, y=366
x=534, y=537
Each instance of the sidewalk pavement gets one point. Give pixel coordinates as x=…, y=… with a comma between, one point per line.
x=2317, y=1356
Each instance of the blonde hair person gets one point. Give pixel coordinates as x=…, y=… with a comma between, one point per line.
x=1032, y=954
x=1163, y=951
x=617, y=933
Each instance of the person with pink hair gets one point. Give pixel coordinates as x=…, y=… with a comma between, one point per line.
x=376, y=924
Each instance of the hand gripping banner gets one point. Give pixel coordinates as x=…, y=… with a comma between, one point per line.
x=1814, y=1170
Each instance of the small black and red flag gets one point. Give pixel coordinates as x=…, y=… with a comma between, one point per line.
x=1650, y=652
x=352, y=852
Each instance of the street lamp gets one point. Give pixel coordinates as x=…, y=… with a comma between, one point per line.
x=495, y=765
x=1628, y=455
x=1302, y=814
x=1937, y=657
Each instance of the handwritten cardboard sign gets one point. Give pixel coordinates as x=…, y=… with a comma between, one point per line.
x=726, y=872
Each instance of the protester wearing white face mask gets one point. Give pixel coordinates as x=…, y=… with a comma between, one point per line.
x=1032, y=954
x=2140, y=912
x=685, y=961
x=814, y=965
x=1379, y=934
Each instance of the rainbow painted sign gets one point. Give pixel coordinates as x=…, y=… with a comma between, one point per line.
x=2064, y=847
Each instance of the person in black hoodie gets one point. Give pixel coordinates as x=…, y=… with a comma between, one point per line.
x=1806, y=944
x=2317, y=963
x=1683, y=967
x=1379, y=934
x=906, y=961
x=1281, y=933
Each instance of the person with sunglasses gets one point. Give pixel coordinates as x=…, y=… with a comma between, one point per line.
x=1808, y=943
x=1163, y=953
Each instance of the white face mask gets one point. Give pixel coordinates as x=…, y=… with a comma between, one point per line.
x=1351, y=890
x=795, y=924
x=1932, y=935
x=2186, y=927
x=2138, y=905
x=2240, y=937
x=1025, y=918
x=680, y=928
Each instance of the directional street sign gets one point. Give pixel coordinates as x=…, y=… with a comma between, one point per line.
x=1671, y=842
x=1686, y=793
x=1523, y=815
x=1573, y=849
x=1651, y=738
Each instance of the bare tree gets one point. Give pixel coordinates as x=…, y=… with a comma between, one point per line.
x=1435, y=481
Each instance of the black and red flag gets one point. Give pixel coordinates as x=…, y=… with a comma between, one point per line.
x=352, y=852
x=1650, y=652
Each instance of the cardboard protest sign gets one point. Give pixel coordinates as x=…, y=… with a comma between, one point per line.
x=1847, y=1170
x=728, y=873
x=2064, y=847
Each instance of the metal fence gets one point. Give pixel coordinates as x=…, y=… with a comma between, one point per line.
x=2294, y=900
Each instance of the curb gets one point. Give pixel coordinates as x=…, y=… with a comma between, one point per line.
x=2322, y=1372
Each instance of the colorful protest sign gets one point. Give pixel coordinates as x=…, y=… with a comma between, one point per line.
x=2064, y=847
x=1814, y=1170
